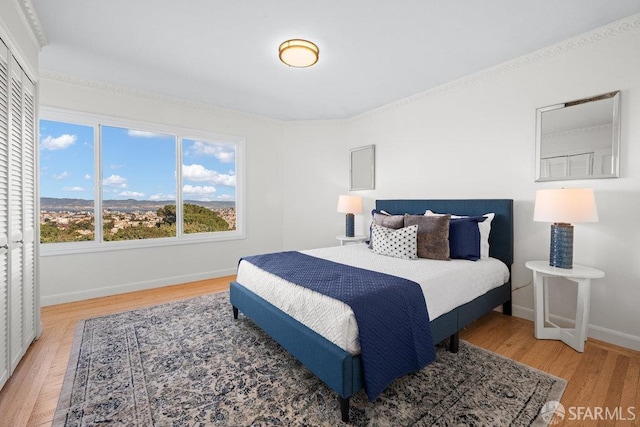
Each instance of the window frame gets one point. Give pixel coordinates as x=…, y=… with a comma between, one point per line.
x=98, y=245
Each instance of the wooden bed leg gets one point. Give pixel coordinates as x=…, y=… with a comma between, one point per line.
x=454, y=342
x=506, y=308
x=235, y=312
x=344, y=408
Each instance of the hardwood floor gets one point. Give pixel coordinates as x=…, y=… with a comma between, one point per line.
x=30, y=396
x=603, y=376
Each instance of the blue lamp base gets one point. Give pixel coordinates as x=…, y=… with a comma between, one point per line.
x=561, y=249
x=350, y=225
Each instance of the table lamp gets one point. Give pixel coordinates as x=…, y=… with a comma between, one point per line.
x=350, y=205
x=562, y=207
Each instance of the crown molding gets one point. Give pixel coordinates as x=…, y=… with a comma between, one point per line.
x=139, y=93
x=32, y=19
x=625, y=25
x=579, y=131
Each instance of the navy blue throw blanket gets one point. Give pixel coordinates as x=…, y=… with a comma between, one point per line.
x=393, y=322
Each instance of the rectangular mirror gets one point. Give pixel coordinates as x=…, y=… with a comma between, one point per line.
x=362, y=168
x=579, y=139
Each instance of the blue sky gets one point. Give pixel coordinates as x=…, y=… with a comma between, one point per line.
x=136, y=164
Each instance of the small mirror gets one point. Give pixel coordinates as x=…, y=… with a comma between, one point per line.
x=579, y=139
x=362, y=168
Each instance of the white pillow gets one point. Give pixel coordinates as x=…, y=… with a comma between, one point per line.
x=484, y=227
x=400, y=243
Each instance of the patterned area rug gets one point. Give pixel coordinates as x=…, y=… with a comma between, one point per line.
x=189, y=363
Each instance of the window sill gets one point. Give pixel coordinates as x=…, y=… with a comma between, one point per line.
x=74, y=248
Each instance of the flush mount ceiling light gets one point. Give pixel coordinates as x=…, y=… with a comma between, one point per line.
x=299, y=53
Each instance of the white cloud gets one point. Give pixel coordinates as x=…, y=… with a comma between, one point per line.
x=87, y=176
x=112, y=166
x=62, y=175
x=199, y=173
x=77, y=189
x=130, y=194
x=144, y=134
x=223, y=152
x=59, y=143
x=198, y=190
x=115, y=181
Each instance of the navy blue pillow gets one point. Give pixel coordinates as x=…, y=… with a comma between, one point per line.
x=464, y=238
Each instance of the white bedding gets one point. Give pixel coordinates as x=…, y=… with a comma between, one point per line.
x=445, y=284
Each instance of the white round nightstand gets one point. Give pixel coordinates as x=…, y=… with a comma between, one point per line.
x=355, y=239
x=580, y=274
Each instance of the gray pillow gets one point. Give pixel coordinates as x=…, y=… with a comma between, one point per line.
x=433, y=235
x=388, y=221
x=385, y=220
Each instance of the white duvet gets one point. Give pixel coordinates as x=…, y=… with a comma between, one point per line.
x=445, y=284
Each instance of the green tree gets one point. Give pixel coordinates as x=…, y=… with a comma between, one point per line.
x=198, y=219
x=76, y=232
x=167, y=214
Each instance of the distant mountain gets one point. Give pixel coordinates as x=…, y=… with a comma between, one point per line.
x=55, y=204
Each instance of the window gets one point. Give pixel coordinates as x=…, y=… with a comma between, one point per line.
x=66, y=182
x=150, y=184
x=138, y=184
x=208, y=186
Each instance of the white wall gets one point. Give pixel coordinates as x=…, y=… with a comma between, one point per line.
x=314, y=174
x=475, y=138
x=73, y=277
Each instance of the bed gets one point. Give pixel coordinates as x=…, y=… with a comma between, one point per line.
x=341, y=369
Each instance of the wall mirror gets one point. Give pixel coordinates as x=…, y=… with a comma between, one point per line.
x=579, y=139
x=362, y=168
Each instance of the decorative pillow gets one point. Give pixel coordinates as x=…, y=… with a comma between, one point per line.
x=399, y=243
x=386, y=220
x=485, y=230
x=464, y=238
x=433, y=235
x=484, y=227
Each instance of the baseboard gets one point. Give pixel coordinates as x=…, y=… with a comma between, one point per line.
x=597, y=332
x=522, y=312
x=130, y=287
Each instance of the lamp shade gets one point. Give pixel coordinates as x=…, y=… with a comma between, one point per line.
x=350, y=204
x=565, y=205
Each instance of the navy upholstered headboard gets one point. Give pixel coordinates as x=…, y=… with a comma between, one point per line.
x=501, y=237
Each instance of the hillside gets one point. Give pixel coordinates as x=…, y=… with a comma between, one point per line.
x=128, y=205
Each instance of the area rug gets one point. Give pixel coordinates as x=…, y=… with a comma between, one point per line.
x=189, y=363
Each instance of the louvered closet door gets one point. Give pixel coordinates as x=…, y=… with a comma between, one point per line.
x=28, y=211
x=16, y=294
x=5, y=368
x=18, y=305
x=21, y=241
